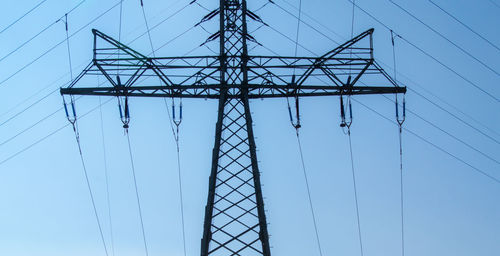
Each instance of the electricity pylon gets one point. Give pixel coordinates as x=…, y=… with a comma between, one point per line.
x=235, y=221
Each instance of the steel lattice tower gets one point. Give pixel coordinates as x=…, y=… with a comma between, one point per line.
x=235, y=221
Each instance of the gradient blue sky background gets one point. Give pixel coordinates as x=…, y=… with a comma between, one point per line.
x=450, y=207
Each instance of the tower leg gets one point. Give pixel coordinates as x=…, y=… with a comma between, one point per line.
x=235, y=222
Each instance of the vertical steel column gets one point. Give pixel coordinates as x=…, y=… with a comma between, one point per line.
x=235, y=222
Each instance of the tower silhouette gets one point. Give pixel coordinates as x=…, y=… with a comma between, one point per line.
x=235, y=221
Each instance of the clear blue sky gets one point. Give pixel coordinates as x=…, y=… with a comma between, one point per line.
x=451, y=208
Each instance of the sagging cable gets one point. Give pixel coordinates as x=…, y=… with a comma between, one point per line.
x=67, y=43
x=296, y=124
x=393, y=41
x=346, y=121
x=400, y=121
x=72, y=118
x=177, y=120
x=138, y=199
x=308, y=188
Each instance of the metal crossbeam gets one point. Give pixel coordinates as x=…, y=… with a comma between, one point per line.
x=334, y=73
x=235, y=221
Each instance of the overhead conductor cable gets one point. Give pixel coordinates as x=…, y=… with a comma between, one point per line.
x=296, y=124
x=175, y=133
x=72, y=118
x=348, y=124
x=400, y=121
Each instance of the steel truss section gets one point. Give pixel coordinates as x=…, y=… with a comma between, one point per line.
x=235, y=222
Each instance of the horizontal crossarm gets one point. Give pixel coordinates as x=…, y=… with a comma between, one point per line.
x=212, y=91
x=348, y=69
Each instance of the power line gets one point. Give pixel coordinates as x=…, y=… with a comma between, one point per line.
x=480, y=171
x=355, y=187
x=452, y=70
x=450, y=105
x=48, y=135
x=67, y=43
x=448, y=133
x=351, y=151
x=40, y=32
x=137, y=193
x=297, y=126
x=106, y=173
x=309, y=193
x=147, y=29
x=298, y=28
x=36, y=93
x=181, y=197
x=307, y=24
x=465, y=25
x=456, y=117
x=89, y=187
x=289, y=38
x=30, y=127
x=175, y=134
x=30, y=106
x=106, y=178
x=446, y=38
x=430, y=55
x=401, y=187
x=58, y=44
x=22, y=16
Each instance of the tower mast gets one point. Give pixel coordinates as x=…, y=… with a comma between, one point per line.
x=235, y=221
